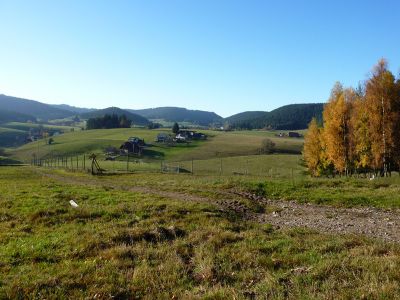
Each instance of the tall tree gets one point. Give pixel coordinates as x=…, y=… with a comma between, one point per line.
x=380, y=101
x=312, y=148
x=360, y=148
x=396, y=121
x=336, y=117
x=175, y=128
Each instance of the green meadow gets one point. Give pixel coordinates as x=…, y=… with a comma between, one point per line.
x=219, y=144
x=147, y=243
x=159, y=231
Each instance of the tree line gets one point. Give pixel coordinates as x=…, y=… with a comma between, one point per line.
x=360, y=129
x=108, y=121
x=288, y=117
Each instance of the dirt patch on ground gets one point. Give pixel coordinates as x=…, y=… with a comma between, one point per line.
x=372, y=222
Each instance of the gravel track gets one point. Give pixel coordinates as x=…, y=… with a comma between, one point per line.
x=368, y=221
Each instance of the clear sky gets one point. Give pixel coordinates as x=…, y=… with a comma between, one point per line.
x=222, y=56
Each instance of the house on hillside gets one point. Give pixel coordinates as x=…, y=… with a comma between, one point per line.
x=133, y=145
x=185, y=135
x=163, y=138
x=294, y=134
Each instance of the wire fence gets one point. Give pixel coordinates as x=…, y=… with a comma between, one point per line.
x=258, y=165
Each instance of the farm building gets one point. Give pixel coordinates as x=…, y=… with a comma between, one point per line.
x=185, y=135
x=134, y=145
x=163, y=138
x=294, y=134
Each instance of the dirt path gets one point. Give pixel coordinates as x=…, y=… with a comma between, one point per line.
x=372, y=222
x=369, y=221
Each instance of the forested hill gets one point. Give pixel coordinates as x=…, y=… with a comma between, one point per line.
x=178, y=114
x=288, y=117
x=245, y=116
x=33, y=108
x=73, y=109
x=11, y=116
x=135, y=118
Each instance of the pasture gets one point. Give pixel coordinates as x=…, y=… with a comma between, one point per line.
x=190, y=231
x=10, y=137
x=165, y=236
x=219, y=144
x=14, y=134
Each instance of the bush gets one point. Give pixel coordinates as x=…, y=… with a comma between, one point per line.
x=267, y=146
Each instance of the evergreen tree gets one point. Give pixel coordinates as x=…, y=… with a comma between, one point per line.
x=108, y=121
x=175, y=128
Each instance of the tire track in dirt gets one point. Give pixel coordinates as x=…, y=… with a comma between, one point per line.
x=368, y=221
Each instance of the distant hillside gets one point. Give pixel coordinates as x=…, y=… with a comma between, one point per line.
x=34, y=108
x=135, y=118
x=178, y=114
x=74, y=109
x=11, y=116
x=245, y=116
x=12, y=137
x=288, y=117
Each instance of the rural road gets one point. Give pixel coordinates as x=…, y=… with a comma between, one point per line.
x=368, y=221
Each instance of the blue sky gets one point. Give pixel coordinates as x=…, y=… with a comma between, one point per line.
x=222, y=56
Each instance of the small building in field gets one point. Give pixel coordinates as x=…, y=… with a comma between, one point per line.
x=133, y=145
x=185, y=135
x=163, y=138
x=294, y=134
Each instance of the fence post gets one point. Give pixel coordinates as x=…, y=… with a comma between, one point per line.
x=292, y=176
x=84, y=162
x=191, y=169
x=127, y=163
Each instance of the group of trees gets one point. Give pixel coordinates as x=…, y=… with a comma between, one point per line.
x=288, y=117
x=108, y=121
x=361, y=128
x=153, y=125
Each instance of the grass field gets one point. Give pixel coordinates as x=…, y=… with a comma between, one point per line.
x=124, y=244
x=272, y=165
x=14, y=134
x=154, y=235
x=219, y=144
x=27, y=126
x=10, y=137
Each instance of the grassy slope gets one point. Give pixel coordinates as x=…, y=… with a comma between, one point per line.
x=27, y=126
x=11, y=137
x=219, y=144
x=128, y=245
x=13, y=134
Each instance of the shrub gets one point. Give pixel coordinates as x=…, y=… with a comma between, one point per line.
x=267, y=146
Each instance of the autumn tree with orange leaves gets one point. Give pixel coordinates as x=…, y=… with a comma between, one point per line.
x=361, y=129
x=336, y=135
x=380, y=98
x=313, y=148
